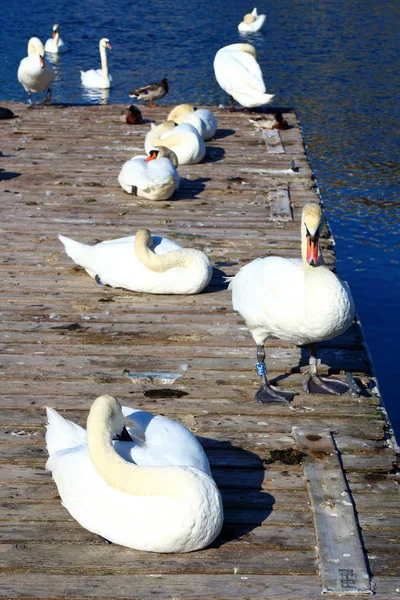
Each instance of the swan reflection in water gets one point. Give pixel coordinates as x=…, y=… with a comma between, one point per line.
x=96, y=95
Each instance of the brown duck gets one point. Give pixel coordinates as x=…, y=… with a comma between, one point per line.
x=150, y=92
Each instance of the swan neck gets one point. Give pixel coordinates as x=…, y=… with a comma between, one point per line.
x=159, y=263
x=104, y=65
x=124, y=476
x=56, y=39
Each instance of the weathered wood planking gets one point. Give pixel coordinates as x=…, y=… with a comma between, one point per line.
x=65, y=340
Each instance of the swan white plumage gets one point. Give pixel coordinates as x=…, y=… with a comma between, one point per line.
x=153, y=177
x=252, y=22
x=55, y=45
x=99, y=78
x=202, y=119
x=297, y=300
x=183, y=139
x=33, y=72
x=143, y=263
x=153, y=492
x=239, y=75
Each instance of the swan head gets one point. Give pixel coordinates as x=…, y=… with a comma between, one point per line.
x=312, y=222
x=249, y=18
x=180, y=110
x=105, y=43
x=55, y=29
x=35, y=46
x=162, y=152
x=106, y=412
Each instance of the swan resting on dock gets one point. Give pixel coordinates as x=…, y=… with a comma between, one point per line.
x=99, y=78
x=202, y=119
x=153, y=177
x=183, y=139
x=296, y=300
x=252, y=22
x=147, y=487
x=143, y=263
x=239, y=75
x=33, y=72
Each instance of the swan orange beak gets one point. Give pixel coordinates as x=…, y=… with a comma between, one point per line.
x=108, y=45
x=312, y=250
x=152, y=156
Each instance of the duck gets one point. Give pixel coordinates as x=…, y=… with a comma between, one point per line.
x=33, y=72
x=99, y=78
x=183, y=139
x=202, y=119
x=143, y=263
x=274, y=121
x=239, y=75
x=151, y=92
x=146, y=487
x=153, y=177
x=252, y=22
x=55, y=45
x=132, y=115
x=299, y=301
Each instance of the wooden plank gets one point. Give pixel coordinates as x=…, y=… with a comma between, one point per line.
x=279, y=206
x=343, y=567
x=273, y=141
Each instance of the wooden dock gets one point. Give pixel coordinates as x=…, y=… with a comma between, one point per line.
x=66, y=340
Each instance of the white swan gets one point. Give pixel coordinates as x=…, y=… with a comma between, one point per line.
x=202, y=119
x=99, y=78
x=297, y=300
x=152, y=492
x=143, y=263
x=252, y=22
x=183, y=139
x=33, y=72
x=153, y=177
x=55, y=45
x=238, y=73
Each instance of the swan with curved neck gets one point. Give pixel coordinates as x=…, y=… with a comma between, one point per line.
x=252, y=22
x=129, y=492
x=99, y=78
x=239, y=75
x=33, y=72
x=55, y=45
x=143, y=263
x=297, y=300
x=183, y=139
x=153, y=177
x=202, y=119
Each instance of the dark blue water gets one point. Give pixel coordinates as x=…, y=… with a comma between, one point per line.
x=335, y=61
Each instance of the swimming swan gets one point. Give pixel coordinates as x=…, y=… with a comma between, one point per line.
x=202, y=119
x=143, y=263
x=297, y=300
x=55, y=45
x=153, y=177
x=33, y=73
x=252, y=22
x=152, y=492
x=239, y=75
x=99, y=78
x=183, y=139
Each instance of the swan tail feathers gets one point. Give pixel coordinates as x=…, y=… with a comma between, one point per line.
x=62, y=434
x=71, y=247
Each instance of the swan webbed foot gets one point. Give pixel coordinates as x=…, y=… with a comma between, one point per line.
x=47, y=100
x=98, y=280
x=268, y=393
x=315, y=384
x=105, y=540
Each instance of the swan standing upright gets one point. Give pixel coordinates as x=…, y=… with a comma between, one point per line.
x=153, y=177
x=152, y=492
x=297, y=300
x=239, y=75
x=252, y=22
x=99, y=78
x=55, y=45
x=143, y=263
x=33, y=73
